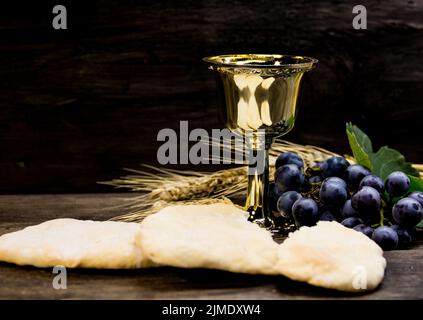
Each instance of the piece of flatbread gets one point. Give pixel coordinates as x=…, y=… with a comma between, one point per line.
x=75, y=244
x=332, y=256
x=216, y=236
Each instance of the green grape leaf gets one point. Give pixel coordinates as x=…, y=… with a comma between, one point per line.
x=361, y=146
x=381, y=163
x=387, y=160
x=362, y=139
x=416, y=184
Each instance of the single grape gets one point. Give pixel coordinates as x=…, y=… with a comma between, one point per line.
x=289, y=158
x=274, y=194
x=333, y=194
x=372, y=181
x=404, y=236
x=335, y=167
x=367, y=201
x=385, y=237
x=366, y=230
x=286, y=201
x=407, y=212
x=315, y=179
x=348, y=211
x=327, y=216
x=354, y=174
x=336, y=180
x=289, y=177
x=305, y=212
x=351, y=222
x=417, y=195
x=397, y=184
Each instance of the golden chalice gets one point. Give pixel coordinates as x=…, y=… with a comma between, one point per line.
x=259, y=97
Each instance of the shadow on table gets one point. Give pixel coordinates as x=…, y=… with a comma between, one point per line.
x=168, y=282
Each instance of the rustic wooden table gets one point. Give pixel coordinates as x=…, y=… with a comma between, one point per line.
x=403, y=280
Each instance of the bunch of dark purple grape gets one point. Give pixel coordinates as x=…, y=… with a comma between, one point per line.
x=334, y=190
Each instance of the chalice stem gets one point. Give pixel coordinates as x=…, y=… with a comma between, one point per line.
x=257, y=203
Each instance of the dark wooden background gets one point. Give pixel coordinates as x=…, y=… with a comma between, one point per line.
x=77, y=105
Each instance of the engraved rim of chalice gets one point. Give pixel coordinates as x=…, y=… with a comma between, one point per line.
x=270, y=61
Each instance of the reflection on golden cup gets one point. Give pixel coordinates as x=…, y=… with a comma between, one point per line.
x=259, y=94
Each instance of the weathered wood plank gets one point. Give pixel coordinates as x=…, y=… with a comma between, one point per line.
x=403, y=280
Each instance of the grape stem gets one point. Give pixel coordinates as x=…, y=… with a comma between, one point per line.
x=385, y=204
x=382, y=217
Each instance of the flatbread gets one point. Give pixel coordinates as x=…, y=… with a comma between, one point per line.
x=216, y=236
x=332, y=256
x=75, y=244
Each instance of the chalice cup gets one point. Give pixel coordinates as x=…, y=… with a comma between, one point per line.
x=259, y=95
